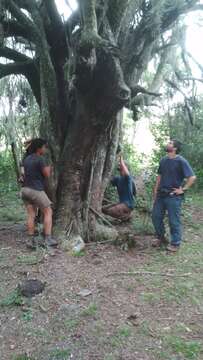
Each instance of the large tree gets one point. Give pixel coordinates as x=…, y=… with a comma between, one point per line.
x=83, y=71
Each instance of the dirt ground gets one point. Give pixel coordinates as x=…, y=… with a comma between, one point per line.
x=92, y=310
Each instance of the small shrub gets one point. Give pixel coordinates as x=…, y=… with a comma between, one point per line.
x=12, y=299
x=90, y=310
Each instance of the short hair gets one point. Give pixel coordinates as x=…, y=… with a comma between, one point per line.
x=36, y=144
x=177, y=144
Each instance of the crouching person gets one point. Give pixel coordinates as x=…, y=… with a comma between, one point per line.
x=33, y=194
x=126, y=191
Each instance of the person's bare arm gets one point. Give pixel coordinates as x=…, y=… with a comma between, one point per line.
x=46, y=171
x=22, y=170
x=123, y=167
x=189, y=182
x=158, y=179
x=22, y=175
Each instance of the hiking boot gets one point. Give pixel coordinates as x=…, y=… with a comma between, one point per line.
x=49, y=241
x=172, y=248
x=156, y=243
x=31, y=242
x=159, y=242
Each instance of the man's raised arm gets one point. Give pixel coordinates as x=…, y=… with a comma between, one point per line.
x=123, y=168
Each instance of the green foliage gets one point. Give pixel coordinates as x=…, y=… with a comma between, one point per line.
x=189, y=349
x=14, y=298
x=121, y=336
x=131, y=157
x=71, y=324
x=60, y=354
x=10, y=203
x=21, y=120
x=11, y=209
x=79, y=254
x=91, y=310
x=161, y=135
x=189, y=131
x=22, y=357
x=7, y=173
x=27, y=315
x=142, y=224
x=178, y=126
x=30, y=259
x=124, y=331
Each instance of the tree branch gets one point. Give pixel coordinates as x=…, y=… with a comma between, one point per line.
x=164, y=46
x=195, y=61
x=29, y=69
x=59, y=42
x=69, y=5
x=89, y=20
x=142, y=38
x=139, y=89
x=117, y=9
x=72, y=21
x=12, y=68
x=191, y=79
x=13, y=55
x=53, y=14
x=172, y=13
x=146, y=96
x=23, y=19
x=1, y=26
x=175, y=86
x=162, y=68
x=198, y=7
x=13, y=28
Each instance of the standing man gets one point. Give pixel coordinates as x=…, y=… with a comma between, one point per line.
x=169, y=193
x=126, y=192
x=33, y=194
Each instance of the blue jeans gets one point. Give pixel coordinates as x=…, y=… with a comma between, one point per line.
x=171, y=204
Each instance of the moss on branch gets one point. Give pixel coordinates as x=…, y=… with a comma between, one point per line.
x=90, y=35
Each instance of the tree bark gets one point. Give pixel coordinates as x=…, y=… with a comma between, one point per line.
x=85, y=169
x=15, y=160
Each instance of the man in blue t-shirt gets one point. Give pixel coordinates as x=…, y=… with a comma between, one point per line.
x=168, y=194
x=126, y=192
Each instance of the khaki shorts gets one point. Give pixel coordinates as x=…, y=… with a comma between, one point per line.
x=35, y=197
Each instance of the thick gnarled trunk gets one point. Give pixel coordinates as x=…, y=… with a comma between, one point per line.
x=84, y=164
x=85, y=169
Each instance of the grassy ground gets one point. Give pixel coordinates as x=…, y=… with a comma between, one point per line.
x=154, y=314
